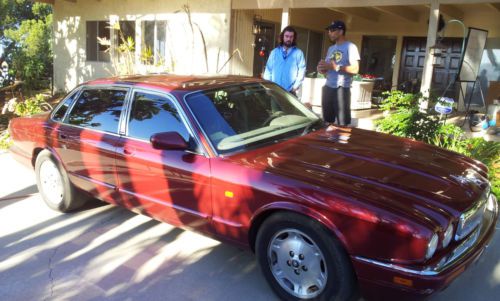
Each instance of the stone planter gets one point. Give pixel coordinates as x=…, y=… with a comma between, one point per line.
x=361, y=93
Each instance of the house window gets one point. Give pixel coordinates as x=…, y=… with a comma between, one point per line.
x=95, y=51
x=154, y=42
x=126, y=34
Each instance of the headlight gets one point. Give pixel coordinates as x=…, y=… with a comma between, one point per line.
x=432, y=246
x=448, y=235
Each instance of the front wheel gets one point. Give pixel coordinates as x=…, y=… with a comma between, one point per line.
x=54, y=186
x=302, y=260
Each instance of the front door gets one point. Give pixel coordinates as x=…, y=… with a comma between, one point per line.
x=264, y=44
x=169, y=185
x=412, y=66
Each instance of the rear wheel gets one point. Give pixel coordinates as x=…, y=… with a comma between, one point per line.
x=302, y=260
x=54, y=186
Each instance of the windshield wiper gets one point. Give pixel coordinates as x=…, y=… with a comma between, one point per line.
x=309, y=128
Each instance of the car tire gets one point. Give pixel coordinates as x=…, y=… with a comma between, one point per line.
x=302, y=260
x=54, y=185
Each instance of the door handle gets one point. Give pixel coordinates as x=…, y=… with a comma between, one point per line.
x=63, y=136
x=128, y=151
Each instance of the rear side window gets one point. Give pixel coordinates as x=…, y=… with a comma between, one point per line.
x=98, y=109
x=153, y=114
x=63, y=108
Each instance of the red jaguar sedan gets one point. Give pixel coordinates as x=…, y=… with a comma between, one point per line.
x=326, y=209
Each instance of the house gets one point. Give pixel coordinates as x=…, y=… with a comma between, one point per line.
x=95, y=38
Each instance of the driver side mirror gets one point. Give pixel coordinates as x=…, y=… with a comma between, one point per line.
x=168, y=141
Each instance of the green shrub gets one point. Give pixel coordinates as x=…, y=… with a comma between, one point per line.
x=487, y=152
x=30, y=106
x=451, y=137
x=5, y=141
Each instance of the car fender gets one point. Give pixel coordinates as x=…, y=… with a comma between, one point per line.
x=265, y=211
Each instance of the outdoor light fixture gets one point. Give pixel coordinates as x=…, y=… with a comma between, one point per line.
x=256, y=28
x=438, y=52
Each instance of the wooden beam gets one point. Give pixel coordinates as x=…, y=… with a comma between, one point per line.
x=403, y=12
x=451, y=11
x=495, y=6
x=362, y=12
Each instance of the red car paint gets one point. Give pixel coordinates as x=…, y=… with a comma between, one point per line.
x=381, y=196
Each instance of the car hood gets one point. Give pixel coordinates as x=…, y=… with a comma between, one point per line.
x=384, y=170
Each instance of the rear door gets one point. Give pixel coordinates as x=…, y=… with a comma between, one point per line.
x=169, y=185
x=88, y=138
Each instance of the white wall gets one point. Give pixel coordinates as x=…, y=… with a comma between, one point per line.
x=188, y=52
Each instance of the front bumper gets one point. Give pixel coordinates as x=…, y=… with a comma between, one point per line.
x=429, y=279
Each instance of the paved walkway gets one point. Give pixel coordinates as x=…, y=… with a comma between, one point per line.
x=107, y=253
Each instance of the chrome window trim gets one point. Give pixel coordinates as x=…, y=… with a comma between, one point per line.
x=90, y=129
x=182, y=114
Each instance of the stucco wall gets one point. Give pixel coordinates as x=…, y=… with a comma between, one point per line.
x=212, y=17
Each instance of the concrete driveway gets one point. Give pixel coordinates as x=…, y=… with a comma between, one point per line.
x=105, y=252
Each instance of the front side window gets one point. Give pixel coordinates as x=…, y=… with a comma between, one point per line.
x=242, y=116
x=153, y=114
x=98, y=109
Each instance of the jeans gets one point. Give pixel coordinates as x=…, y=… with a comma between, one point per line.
x=336, y=105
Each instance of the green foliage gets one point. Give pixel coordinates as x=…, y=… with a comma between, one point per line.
x=26, y=33
x=399, y=100
x=404, y=119
x=487, y=152
x=32, y=56
x=5, y=141
x=30, y=106
x=451, y=137
x=14, y=11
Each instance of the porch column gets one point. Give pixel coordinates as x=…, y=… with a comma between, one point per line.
x=397, y=63
x=285, y=18
x=431, y=41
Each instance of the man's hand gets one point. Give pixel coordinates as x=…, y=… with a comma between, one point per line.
x=323, y=67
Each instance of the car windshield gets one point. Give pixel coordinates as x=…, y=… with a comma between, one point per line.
x=239, y=116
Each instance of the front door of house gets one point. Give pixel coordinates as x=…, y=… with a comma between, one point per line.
x=412, y=66
x=264, y=44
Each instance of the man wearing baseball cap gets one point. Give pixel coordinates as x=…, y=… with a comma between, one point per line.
x=340, y=64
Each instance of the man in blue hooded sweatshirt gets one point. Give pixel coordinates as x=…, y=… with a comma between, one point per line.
x=286, y=65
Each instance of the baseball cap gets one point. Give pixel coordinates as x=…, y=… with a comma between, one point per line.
x=336, y=25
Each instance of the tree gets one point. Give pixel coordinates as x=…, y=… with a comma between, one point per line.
x=26, y=33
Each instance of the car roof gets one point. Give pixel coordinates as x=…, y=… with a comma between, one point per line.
x=171, y=82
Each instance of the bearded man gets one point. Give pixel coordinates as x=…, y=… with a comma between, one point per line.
x=286, y=65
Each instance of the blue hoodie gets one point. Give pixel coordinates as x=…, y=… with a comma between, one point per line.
x=286, y=69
